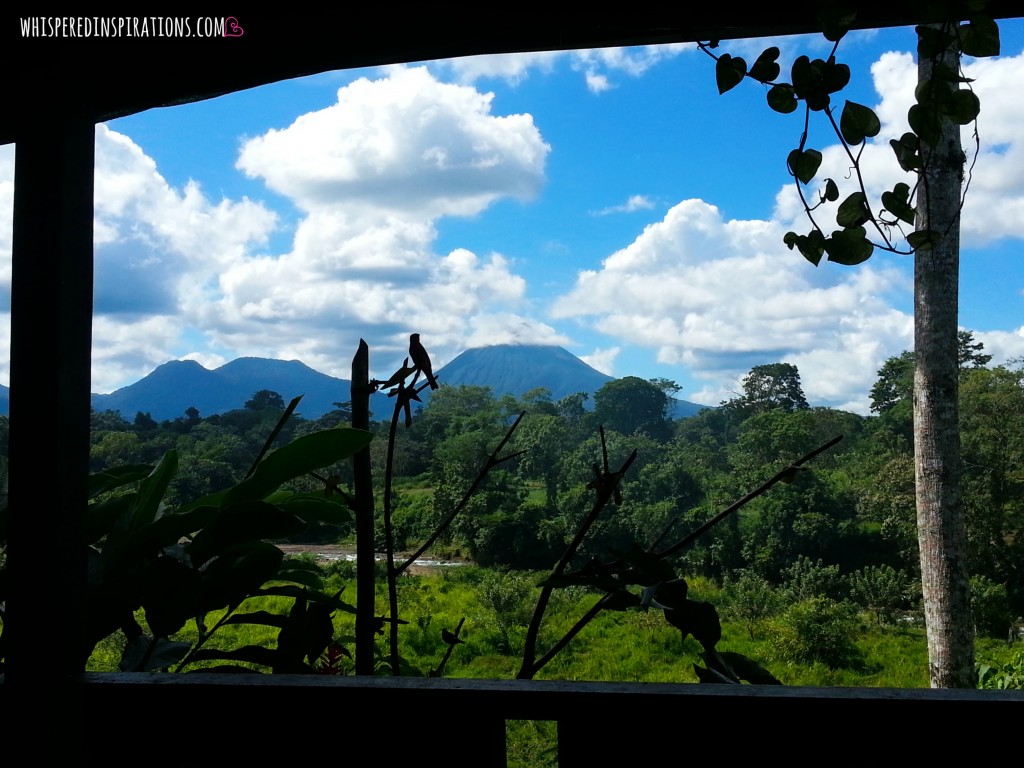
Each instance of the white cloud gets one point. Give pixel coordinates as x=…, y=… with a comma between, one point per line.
x=511, y=329
x=406, y=144
x=373, y=173
x=721, y=296
x=1004, y=346
x=634, y=203
x=176, y=271
x=597, y=65
x=512, y=67
x=602, y=359
x=597, y=83
x=123, y=352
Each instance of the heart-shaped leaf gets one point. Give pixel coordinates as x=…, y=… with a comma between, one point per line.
x=853, y=211
x=803, y=165
x=834, y=77
x=980, y=38
x=963, y=107
x=931, y=41
x=766, y=68
x=923, y=240
x=849, y=246
x=926, y=123
x=836, y=20
x=729, y=71
x=897, y=203
x=858, y=122
x=782, y=98
x=811, y=245
x=907, y=152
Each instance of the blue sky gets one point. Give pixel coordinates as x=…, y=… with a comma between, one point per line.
x=608, y=201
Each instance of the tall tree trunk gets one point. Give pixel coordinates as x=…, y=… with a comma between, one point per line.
x=941, y=530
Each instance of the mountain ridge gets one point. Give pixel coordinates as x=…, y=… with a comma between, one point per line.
x=507, y=369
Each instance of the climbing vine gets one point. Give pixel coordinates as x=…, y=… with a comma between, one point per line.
x=863, y=223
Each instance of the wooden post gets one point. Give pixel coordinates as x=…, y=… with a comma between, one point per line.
x=363, y=484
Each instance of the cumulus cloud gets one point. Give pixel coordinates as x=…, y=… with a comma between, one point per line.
x=179, y=274
x=634, y=203
x=720, y=296
x=602, y=359
x=1004, y=346
x=157, y=250
x=125, y=351
x=374, y=172
x=406, y=144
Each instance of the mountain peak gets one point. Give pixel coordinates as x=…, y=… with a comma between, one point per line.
x=513, y=369
x=507, y=369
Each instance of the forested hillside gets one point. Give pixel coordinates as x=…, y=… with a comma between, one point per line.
x=842, y=530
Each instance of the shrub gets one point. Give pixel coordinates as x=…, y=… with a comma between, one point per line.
x=990, y=605
x=806, y=579
x=883, y=590
x=817, y=629
x=508, y=595
x=751, y=599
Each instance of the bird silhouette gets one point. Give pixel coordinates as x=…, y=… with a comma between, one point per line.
x=421, y=359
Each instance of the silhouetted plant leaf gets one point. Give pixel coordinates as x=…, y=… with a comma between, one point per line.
x=907, y=151
x=151, y=491
x=334, y=602
x=162, y=654
x=853, y=211
x=931, y=41
x=699, y=619
x=748, y=669
x=923, y=240
x=237, y=573
x=926, y=123
x=318, y=630
x=621, y=600
x=158, y=535
x=897, y=203
x=241, y=522
x=836, y=20
x=170, y=596
x=729, y=72
x=980, y=38
x=804, y=164
x=858, y=122
x=302, y=455
x=811, y=245
x=782, y=98
x=100, y=516
x=310, y=579
x=831, y=191
x=963, y=107
x=849, y=246
x=644, y=567
x=117, y=477
x=253, y=654
x=313, y=508
x=765, y=68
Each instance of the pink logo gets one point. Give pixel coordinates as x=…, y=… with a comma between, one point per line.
x=232, y=28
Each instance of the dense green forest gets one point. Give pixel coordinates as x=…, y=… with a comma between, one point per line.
x=842, y=532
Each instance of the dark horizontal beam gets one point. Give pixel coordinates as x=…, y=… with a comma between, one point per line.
x=459, y=722
x=273, y=48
